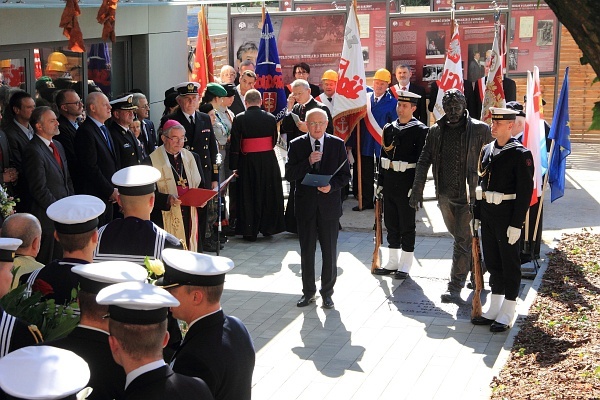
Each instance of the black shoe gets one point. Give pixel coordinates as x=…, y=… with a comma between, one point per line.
x=304, y=301
x=400, y=275
x=228, y=230
x=452, y=297
x=327, y=302
x=481, y=320
x=367, y=207
x=498, y=327
x=383, y=271
x=250, y=238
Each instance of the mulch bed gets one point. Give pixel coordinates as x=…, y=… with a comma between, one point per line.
x=556, y=354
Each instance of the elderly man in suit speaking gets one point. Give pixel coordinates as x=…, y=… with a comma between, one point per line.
x=318, y=208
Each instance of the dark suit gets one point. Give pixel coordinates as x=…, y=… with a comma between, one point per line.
x=129, y=151
x=238, y=104
x=107, y=377
x=47, y=182
x=318, y=213
x=469, y=97
x=162, y=384
x=67, y=139
x=219, y=350
x=97, y=164
x=148, y=136
x=17, y=141
x=5, y=163
x=288, y=126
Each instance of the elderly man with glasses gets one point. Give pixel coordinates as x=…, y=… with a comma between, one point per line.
x=179, y=172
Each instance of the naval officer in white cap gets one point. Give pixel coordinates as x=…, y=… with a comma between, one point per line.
x=44, y=373
x=89, y=339
x=134, y=236
x=216, y=347
x=503, y=197
x=138, y=332
x=76, y=228
x=14, y=333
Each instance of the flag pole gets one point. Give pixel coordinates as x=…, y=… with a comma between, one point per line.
x=539, y=214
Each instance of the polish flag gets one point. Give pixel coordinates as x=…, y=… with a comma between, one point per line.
x=452, y=77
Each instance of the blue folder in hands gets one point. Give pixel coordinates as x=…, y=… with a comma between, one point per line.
x=317, y=180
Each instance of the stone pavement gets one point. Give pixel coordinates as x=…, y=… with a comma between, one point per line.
x=385, y=339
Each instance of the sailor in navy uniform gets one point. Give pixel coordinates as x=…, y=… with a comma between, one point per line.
x=125, y=141
x=403, y=141
x=89, y=339
x=503, y=197
x=138, y=331
x=44, y=372
x=135, y=236
x=75, y=224
x=217, y=348
x=14, y=333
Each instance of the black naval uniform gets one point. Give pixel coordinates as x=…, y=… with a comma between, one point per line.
x=162, y=384
x=14, y=333
x=507, y=170
x=132, y=239
x=218, y=349
x=107, y=377
x=55, y=280
x=401, y=142
x=126, y=144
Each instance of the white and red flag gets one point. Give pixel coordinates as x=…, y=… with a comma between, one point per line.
x=494, y=91
x=452, y=77
x=350, y=103
x=534, y=137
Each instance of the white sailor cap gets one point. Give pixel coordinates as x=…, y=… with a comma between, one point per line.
x=136, y=303
x=503, y=113
x=8, y=246
x=186, y=88
x=410, y=97
x=76, y=214
x=184, y=267
x=138, y=180
x=43, y=372
x=123, y=103
x=95, y=277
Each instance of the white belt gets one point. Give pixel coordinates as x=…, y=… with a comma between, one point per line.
x=497, y=198
x=397, y=166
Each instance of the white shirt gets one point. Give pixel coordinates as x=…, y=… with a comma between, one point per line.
x=27, y=130
x=142, y=370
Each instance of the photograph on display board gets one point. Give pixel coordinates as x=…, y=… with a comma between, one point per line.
x=372, y=21
x=513, y=58
x=432, y=72
x=436, y=44
x=315, y=39
x=476, y=68
x=545, y=33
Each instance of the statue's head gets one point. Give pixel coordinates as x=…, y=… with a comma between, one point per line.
x=454, y=104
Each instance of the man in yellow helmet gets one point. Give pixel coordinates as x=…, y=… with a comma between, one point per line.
x=329, y=83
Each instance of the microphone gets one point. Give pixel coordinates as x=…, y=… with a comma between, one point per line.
x=317, y=165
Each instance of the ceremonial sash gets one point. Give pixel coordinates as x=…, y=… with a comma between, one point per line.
x=256, y=145
x=394, y=91
x=371, y=123
x=173, y=219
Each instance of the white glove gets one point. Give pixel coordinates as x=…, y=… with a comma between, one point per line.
x=378, y=191
x=513, y=234
x=475, y=224
x=350, y=157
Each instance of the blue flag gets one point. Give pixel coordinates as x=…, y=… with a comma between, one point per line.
x=560, y=132
x=269, y=80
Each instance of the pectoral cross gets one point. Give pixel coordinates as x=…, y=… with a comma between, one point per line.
x=181, y=182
